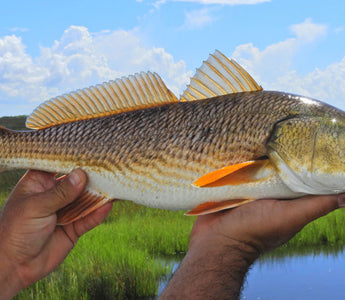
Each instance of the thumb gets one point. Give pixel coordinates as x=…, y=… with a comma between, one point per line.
x=65, y=191
x=299, y=212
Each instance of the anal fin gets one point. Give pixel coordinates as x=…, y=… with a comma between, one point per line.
x=81, y=207
x=212, y=207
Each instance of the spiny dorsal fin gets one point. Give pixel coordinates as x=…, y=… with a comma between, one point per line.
x=219, y=76
x=138, y=91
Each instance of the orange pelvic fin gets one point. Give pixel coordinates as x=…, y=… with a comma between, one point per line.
x=245, y=172
x=211, y=207
x=84, y=205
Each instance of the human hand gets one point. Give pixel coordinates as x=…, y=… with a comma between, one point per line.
x=264, y=224
x=223, y=245
x=31, y=243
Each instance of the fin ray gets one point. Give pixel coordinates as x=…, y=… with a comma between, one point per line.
x=139, y=91
x=212, y=207
x=81, y=207
x=221, y=76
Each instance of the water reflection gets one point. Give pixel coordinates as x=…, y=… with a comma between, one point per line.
x=173, y=262
x=286, y=273
x=303, y=274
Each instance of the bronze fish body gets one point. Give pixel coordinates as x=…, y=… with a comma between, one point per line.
x=228, y=143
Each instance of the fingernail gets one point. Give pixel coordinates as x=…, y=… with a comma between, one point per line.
x=75, y=177
x=341, y=200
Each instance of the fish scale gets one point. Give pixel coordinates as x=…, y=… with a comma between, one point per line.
x=132, y=147
x=201, y=155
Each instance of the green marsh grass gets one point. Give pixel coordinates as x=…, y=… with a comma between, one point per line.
x=325, y=235
x=329, y=230
x=117, y=260
x=15, y=123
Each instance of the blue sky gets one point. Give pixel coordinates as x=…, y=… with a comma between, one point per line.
x=52, y=47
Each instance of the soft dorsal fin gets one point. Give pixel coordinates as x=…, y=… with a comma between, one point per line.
x=219, y=76
x=138, y=91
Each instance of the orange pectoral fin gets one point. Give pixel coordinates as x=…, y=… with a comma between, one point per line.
x=211, y=207
x=84, y=205
x=245, y=172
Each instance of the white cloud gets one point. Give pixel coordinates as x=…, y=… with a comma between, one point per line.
x=18, y=72
x=158, y=3
x=19, y=29
x=197, y=19
x=327, y=84
x=271, y=67
x=339, y=29
x=276, y=59
x=77, y=60
x=308, y=31
x=80, y=59
x=225, y=2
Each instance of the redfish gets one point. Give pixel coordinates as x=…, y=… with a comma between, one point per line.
x=225, y=142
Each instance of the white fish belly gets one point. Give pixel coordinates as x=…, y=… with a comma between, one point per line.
x=182, y=195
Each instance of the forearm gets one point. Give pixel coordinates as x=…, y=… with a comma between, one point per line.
x=215, y=272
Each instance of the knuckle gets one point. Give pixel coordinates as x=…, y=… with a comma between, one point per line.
x=61, y=193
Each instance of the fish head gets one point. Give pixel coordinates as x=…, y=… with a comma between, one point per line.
x=309, y=154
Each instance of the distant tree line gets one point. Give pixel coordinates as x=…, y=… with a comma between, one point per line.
x=15, y=123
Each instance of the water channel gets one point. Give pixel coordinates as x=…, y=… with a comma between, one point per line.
x=310, y=275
